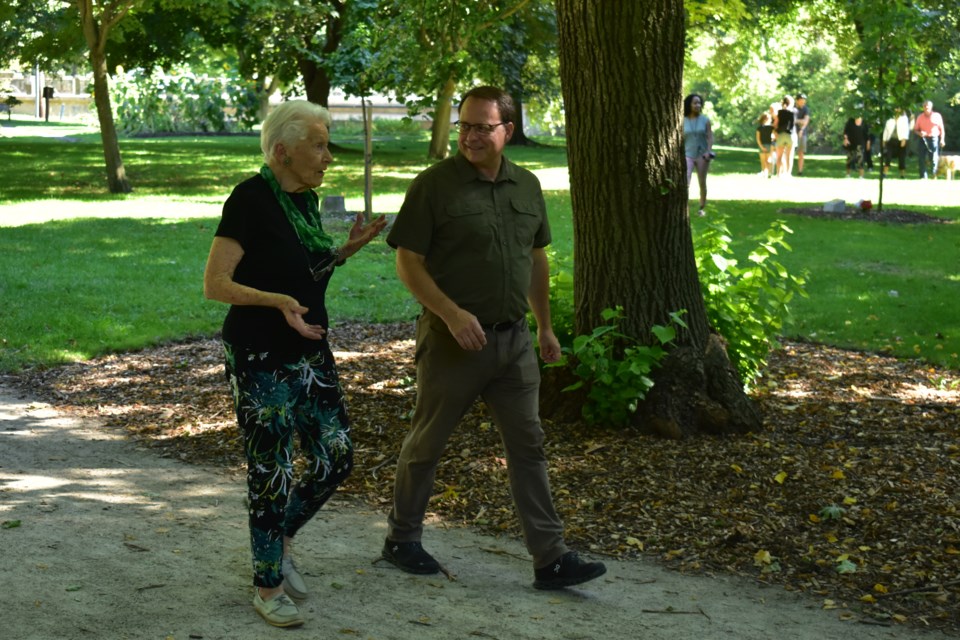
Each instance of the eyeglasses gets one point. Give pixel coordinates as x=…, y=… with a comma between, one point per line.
x=320, y=271
x=481, y=129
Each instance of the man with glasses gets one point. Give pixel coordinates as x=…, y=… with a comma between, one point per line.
x=470, y=240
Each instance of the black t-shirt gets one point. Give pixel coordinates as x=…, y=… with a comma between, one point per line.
x=856, y=133
x=766, y=134
x=785, y=121
x=803, y=112
x=274, y=260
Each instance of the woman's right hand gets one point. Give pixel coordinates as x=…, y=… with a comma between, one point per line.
x=293, y=312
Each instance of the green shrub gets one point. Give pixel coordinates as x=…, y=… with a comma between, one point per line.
x=746, y=305
x=180, y=102
x=615, y=368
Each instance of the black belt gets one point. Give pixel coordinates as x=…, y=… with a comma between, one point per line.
x=500, y=326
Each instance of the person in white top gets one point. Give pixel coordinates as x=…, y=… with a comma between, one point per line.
x=896, y=132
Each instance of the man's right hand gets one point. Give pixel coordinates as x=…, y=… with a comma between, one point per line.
x=466, y=330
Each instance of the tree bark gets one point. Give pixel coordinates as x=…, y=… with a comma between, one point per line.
x=514, y=86
x=316, y=80
x=440, y=129
x=96, y=36
x=621, y=67
x=519, y=138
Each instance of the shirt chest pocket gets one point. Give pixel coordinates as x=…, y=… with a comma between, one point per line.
x=526, y=219
x=468, y=219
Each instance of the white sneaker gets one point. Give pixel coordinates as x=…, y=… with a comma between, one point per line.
x=279, y=611
x=293, y=584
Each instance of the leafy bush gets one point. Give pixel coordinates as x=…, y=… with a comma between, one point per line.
x=179, y=103
x=381, y=126
x=615, y=368
x=746, y=305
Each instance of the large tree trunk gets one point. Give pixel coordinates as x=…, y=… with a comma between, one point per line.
x=514, y=86
x=632, y=238
x=316, y=81
x=519, y=138
x=440, y=129
x=96, y=36
x=315, y=77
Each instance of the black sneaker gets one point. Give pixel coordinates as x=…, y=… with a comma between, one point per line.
x=566, y=571
x=410, y=557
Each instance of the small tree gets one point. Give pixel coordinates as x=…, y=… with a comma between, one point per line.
x=891, y=72
x=11, y=102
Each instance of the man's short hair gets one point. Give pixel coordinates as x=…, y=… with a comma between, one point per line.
x=503, y=99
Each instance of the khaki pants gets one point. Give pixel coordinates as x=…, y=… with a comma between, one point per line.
x=506, y=375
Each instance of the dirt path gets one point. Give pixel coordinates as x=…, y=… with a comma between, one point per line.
x=116, y=542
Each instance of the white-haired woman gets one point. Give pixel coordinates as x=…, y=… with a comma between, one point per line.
x=271, y=261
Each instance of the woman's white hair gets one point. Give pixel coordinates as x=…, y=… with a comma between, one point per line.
x=287, y=124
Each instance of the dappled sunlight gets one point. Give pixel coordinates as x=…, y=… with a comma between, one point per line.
x=934, y=193
x=553, y=178
x=108, y=485
x=387, y=203
x=906, y=391
x=402, y=175
x=916, y=392
x=38, y=211
x=889, y=380
x=28, y=483
x=388, y=351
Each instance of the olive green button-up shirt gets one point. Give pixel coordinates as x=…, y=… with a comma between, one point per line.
x=476, y=235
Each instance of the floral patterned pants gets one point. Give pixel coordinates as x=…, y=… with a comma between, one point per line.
x=277, y=401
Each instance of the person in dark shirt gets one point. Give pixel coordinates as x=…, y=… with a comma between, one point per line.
x=803, y=128
x=786, y=126
x=470, y=240
x=765, y=143
x=855, y=140
x=272, y=261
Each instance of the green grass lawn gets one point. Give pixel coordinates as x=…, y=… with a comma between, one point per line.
x=83, y=272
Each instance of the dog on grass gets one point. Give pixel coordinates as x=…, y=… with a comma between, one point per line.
x=948, y=164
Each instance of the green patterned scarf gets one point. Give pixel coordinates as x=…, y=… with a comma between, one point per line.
x=308, y=228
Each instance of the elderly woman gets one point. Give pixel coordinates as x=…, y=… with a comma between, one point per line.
x=272, y=261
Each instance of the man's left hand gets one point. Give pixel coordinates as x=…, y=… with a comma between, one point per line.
x=549, y=346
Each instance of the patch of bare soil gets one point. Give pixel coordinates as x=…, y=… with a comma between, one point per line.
x=847, y=495
x=893, y=216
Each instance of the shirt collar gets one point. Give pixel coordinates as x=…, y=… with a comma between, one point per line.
x=467, y=172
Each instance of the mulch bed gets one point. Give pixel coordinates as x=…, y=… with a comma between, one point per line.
x=848, y=494
x=893, y=216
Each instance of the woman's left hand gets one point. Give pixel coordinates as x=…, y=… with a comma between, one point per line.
x=361, y=234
